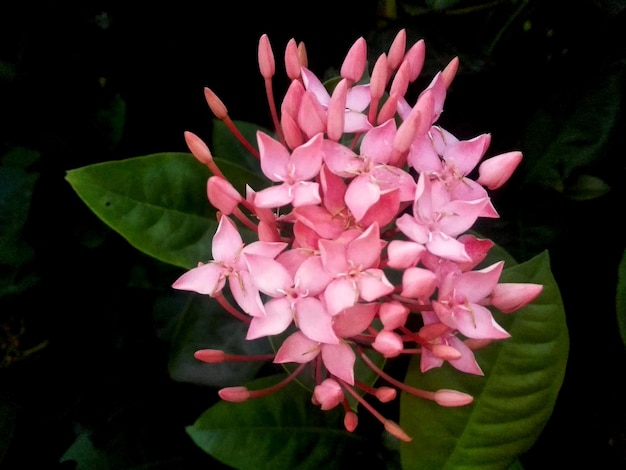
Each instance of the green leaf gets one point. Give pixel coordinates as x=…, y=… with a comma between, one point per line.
x=512, y=402
x=226, y=146
x=281, y=430
x=620, y=301
x=85, y=454
x=585, y=187
x=203, y=324
x=158, y=202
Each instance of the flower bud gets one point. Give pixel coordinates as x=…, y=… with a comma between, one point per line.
x=266, y=58
x=234, y=394
x=328, y=394
x=350, y=421
x=508, y=297
x=210, y=356
x=452, y=398
x=393, y=314
x=222, y=195
x=354, y=64
x=388, y=343
x=385, y=394
x=496, y=171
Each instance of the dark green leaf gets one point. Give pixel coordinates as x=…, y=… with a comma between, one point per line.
x=203, y=324
x=226, y=146
x=585, y=187
x=512, y=402
x=282, y=430
x=158, y=202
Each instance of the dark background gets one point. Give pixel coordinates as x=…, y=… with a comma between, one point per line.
x=82, y=347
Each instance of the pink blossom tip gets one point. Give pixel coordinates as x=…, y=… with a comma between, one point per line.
x=234, y=394
x=292, y=60
x=495, y=171
x=509, y=297
x=222, y=195
x=198, y=148
x=218, y=108
x=388, y=343
x=354, y=64
x=211, y=356
x=266, y=58
x=385, y=394
x=350, y=421
x=452, y=398
x=396, y=431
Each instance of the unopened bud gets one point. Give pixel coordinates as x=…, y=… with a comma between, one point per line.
x=388, y=343
x=445, y=352
x=385, y=394
x=354, y=64
x=452, y=398
x=234, y=394
x=211, y=356
x=292, y=61
x=222, y=195
x=266, y=57
x=396, y=431
x=350, y=421
x=215, y=104
x=198, y=148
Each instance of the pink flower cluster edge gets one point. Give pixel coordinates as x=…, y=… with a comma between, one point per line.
x=363, y=242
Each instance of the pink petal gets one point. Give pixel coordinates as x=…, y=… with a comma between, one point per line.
x=341, y=160
x=226, y=242
x=274, y=196
x=474, y=286
x=364, y=251
x=466, y=154
x=278, y=316
x=205, y=279
x=274, y=157
x=311, y=276
x=315, y=86
x=478, y=322
x=340, y=294
x=333, y=255
x=269, y=276
x=307, y=159
x=297, y=348
x=246, y=294
x=417, y=232
x=402, y=254
x=377, y=144
x=354, y=320
x=447, y=247
x=361, y=195
x=305, y=193
x=339, y=360
x=314, y=321
x=373, y=285
x=467, y=363
x=418, y=283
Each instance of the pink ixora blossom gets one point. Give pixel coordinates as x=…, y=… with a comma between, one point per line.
x=362, y=245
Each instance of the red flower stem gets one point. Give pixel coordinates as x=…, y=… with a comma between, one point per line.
x=230, y=309
x=413, y=391
x=270, y=99
x=245, y=220
x=279, y=385
x=231, y=126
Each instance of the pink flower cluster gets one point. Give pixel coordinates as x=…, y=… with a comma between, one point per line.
x=363, y=240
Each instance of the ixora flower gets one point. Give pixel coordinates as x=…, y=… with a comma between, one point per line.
x=362, y=232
